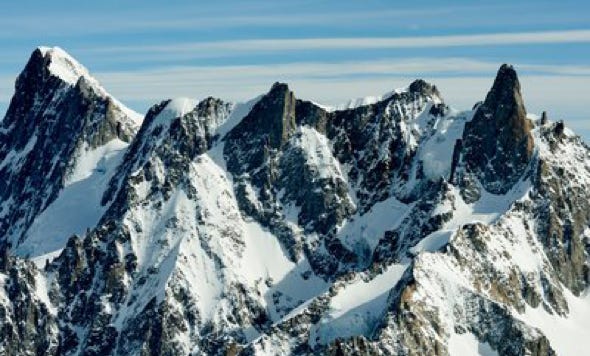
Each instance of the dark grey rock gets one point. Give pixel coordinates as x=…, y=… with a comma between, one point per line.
x=497, y=143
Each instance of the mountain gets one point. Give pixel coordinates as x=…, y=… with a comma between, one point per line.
x=60, y=128
x=277, y=226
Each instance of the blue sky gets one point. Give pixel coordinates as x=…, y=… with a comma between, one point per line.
x=328, y=51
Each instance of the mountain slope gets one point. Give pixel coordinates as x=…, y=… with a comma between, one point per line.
x=280, y=227
x=61, y=128
x=480, y=268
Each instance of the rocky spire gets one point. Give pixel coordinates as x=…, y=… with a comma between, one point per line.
x=269, y=125
x=275, y=114
x=497, y=142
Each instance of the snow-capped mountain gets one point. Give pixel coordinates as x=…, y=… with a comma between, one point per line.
x=277, y=226
x=58, y=144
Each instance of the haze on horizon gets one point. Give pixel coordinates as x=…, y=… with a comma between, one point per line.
x=327, y=51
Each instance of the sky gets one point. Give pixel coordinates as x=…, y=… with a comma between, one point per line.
x=143, y=52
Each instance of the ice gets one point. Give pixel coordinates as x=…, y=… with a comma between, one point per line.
x=41, y=291
x=355, y=103
x=433, y=242
x=263, y=256
x=4, y=300
x=91, y=161
x=360, y=292
x=367, y=100
x=40, y=261
x=176, y=107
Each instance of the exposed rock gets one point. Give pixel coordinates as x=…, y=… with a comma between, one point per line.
x=544, y=119
x=282, y=227
x=48, y=121
x=497, y=142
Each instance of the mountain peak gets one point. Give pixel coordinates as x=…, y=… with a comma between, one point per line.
x=506, y=90
x=58, y=117
x=507, y=70
x=274, y=114
x=180, y=106
x=63, y=65
x=505, y=104
x=498, y=139
x=420, y=86
x=278, y=88
x=54, y=62
x=46, y=63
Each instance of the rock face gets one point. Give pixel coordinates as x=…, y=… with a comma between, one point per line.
x=497, y=143
x=57, y=112
x=281, y=227
x=287, y=157
x=29, y=325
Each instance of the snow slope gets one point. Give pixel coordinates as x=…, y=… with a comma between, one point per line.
x=78, y=206
x=357, y=308
x=362, y=232
x=566, y=334
x=437, y=151
x=486, y=210
x=468, y=345
x=318, y=153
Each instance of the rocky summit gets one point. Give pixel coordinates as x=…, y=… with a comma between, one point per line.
x=281, y=227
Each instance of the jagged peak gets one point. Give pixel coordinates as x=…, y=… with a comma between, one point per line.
x=280, y=91
x=210, y=100
x=167, y=110
x=506, y=88
x=507, y=71
x=420, y=86
x=498, y=140
x=211, y=112
x=174, y=130
x=279, y=87
x=179, y=107
x=55, y=62
x=274, y=114
x=62, y=65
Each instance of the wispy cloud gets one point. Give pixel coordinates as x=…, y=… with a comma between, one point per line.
x=198, y=19
x=113, y=17
x=235, y=79
x=229, y=48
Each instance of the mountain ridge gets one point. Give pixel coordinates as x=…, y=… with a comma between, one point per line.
x=281, y=227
